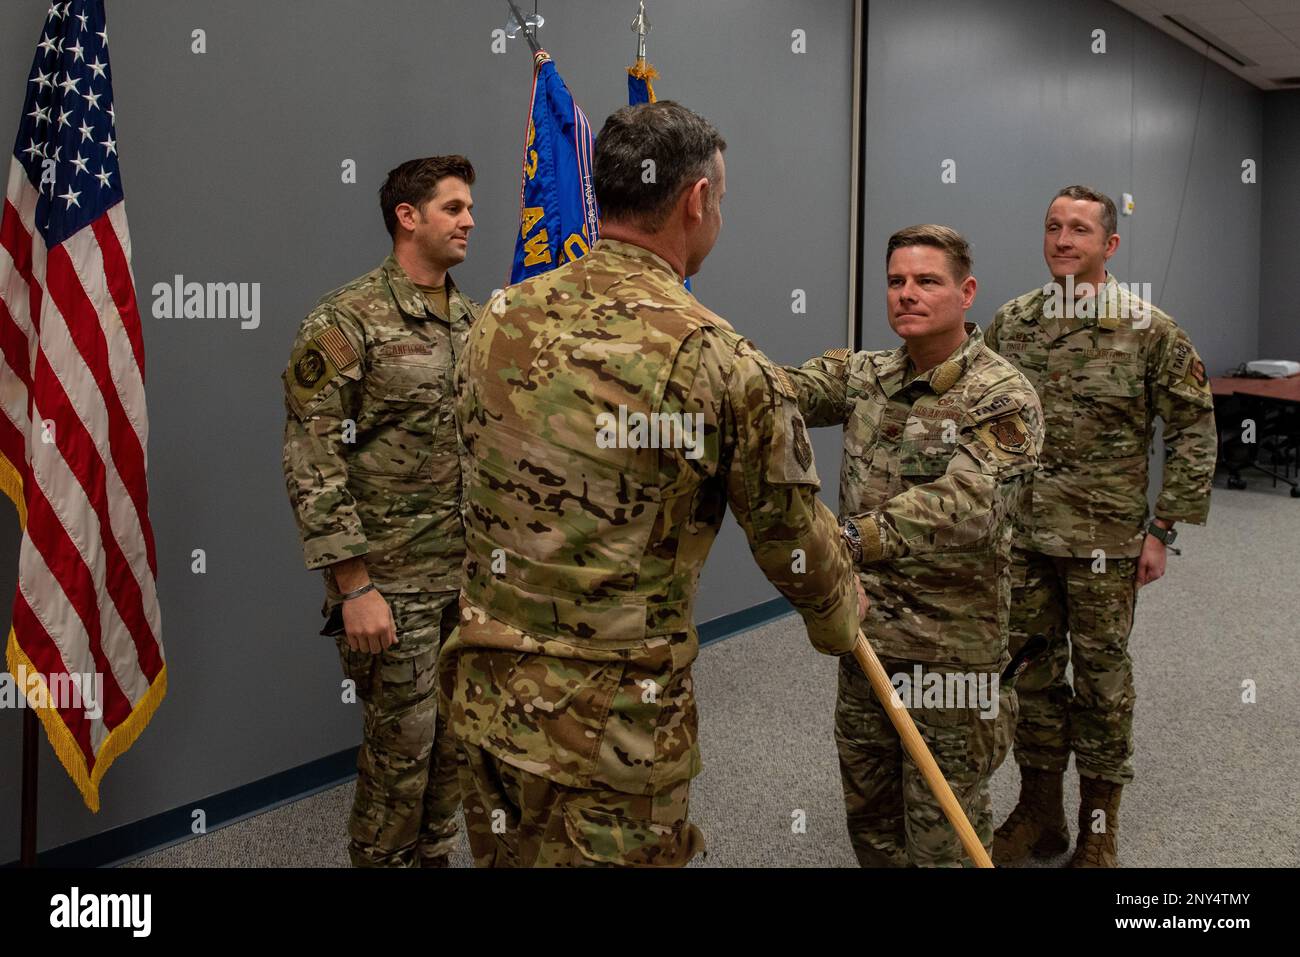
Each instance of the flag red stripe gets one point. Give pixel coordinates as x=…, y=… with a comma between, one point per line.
x=13, y=340
x=82, y=457
x=13, y=345
x=120, y=286
x=83, y=325
x=18, y=242
x=73, y=577
x=41, y=651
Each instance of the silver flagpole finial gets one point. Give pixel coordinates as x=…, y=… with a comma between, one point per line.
x=640, y=26
x=529, y=24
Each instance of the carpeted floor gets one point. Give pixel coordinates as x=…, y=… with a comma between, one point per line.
x=1216, y=778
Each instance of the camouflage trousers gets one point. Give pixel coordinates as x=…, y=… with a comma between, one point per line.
x=518, y=819
x=404, y=813
x=1086, y=616
x=894, y=818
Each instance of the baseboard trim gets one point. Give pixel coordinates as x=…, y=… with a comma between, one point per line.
x=130, y=841
x=715, y=629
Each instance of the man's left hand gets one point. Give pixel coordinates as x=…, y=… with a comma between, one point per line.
x=1151, y=564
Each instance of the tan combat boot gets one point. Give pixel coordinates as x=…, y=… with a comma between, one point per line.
x=1097, y=850
x=1037, y=825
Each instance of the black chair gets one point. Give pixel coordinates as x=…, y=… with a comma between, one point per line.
x=1277, y=439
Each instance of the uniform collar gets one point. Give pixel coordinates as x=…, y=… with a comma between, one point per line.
x=643, y=256
x=893, y=371
x=1106, y=294
x=409, y=299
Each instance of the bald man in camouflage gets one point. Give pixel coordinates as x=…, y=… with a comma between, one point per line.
x=1105, y=363
x=610, y=419
x=372, y=465
x=941, y=437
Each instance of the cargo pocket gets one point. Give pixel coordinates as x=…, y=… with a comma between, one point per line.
x=358, y=667
x=948, y=735
x=604, y=839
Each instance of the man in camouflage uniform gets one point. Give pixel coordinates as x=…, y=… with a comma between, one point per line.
x=372, y=464
x=609, y=419
x=941, y=437
x=1105, y=364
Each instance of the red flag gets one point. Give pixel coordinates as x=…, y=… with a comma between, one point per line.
x=86, y=642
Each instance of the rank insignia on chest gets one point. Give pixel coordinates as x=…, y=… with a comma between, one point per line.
x=309, y=368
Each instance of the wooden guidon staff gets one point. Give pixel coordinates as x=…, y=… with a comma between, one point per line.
x=920, y=754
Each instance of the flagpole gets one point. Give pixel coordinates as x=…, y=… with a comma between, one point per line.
x=523, y=25
x=639, y=25
x=27, y=839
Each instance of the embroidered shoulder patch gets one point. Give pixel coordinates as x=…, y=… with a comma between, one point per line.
x=337, y=347
x=1010, y=434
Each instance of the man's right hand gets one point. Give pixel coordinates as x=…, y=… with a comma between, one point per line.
x=368, y=622
x=863, y=602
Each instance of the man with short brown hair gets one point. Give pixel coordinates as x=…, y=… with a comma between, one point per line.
x=1105, y=363
x=941, y=437
x=569, y=681
x=372, y=465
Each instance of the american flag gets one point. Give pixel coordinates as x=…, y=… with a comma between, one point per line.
x=73, y=432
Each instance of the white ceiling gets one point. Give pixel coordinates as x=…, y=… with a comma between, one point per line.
x=1265, y=33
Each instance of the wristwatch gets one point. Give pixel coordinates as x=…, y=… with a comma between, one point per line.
x=1166, y=535
x=853, y=540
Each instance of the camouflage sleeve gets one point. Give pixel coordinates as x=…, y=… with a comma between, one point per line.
x=320, y=394
x=1179, y=392
x=994, y=329
x=822, y=387
x=772, y=485
x=999, y=443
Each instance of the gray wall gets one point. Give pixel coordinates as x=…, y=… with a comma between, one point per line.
x=231, y=166
x=1011, y=91
x=1279, y=309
